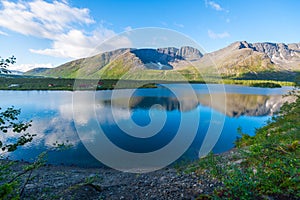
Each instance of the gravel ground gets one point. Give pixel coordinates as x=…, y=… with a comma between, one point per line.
x=62, y=182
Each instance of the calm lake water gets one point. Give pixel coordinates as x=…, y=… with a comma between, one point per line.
x=53, y=120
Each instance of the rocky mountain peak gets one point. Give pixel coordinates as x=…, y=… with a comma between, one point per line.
x=162, y=58
x=189, y=53
x=239, y=45
x=294, y=46
x=244, y=44
x=171, y=51
x=168, y=54
x=184, y=53
x=279, y=53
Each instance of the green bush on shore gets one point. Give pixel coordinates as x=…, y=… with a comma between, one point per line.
x=265, y=166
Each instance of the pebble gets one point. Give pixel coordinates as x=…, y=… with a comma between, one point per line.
x=111, y=184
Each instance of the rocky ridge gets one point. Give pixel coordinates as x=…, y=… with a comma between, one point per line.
x=237, y=59
x=279, y=53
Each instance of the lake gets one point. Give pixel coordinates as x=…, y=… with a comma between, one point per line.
x=55, y=120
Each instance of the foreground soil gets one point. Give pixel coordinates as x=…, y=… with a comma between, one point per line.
x=63, y=182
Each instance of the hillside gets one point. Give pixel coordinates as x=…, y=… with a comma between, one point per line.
x=255, y=61
x=240, y=60
x=37, y=71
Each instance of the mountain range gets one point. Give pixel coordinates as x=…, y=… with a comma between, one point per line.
x=239, y=60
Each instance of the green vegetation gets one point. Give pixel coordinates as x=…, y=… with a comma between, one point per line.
x=9, y=123
x=113, y=70
x=4, y=63
x=266, y=84
x=12, y=184
x=36, y=83
x=265, y=166
x=260, y=74
x=269, y=75
x=258, y=83
x=14, y=82
x=39, y=83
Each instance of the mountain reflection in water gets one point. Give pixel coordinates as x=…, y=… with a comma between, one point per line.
x=236, y=104
x=52, y=113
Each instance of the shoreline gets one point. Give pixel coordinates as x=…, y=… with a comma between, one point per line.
x=73, y=182
x=109, y=89
x=61, y=84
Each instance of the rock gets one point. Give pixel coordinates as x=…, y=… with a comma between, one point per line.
x=279, y=53
x=189, y=53
x=161, y=184
x=238, y=161
x=30, y=186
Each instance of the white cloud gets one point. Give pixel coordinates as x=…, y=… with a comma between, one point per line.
x=214, y=5
x=164, y=23
x=3, y=33
x=128, y=28
x=26, y=67
x=75, y=44
x=41, y=19
x=179, y=25
x=214, y=35
x=56, y=21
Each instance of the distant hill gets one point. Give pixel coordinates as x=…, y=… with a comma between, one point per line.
x=239, y=60
x=36, y=71
x=15, y=72
x=12, y=72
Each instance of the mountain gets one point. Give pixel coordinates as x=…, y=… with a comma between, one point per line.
x=15, y=72
x=281, y=54
x=141, y=63
x=276, y=61
x=242, y=59
x=37, y=71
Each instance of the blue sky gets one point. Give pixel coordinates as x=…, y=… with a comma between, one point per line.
x=48, y=33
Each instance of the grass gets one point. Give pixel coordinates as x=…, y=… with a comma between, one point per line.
x=37, y=83
x=265, y=166
x=124, y=70
x=14, y=82
x=258, y=83
x=266, y=84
